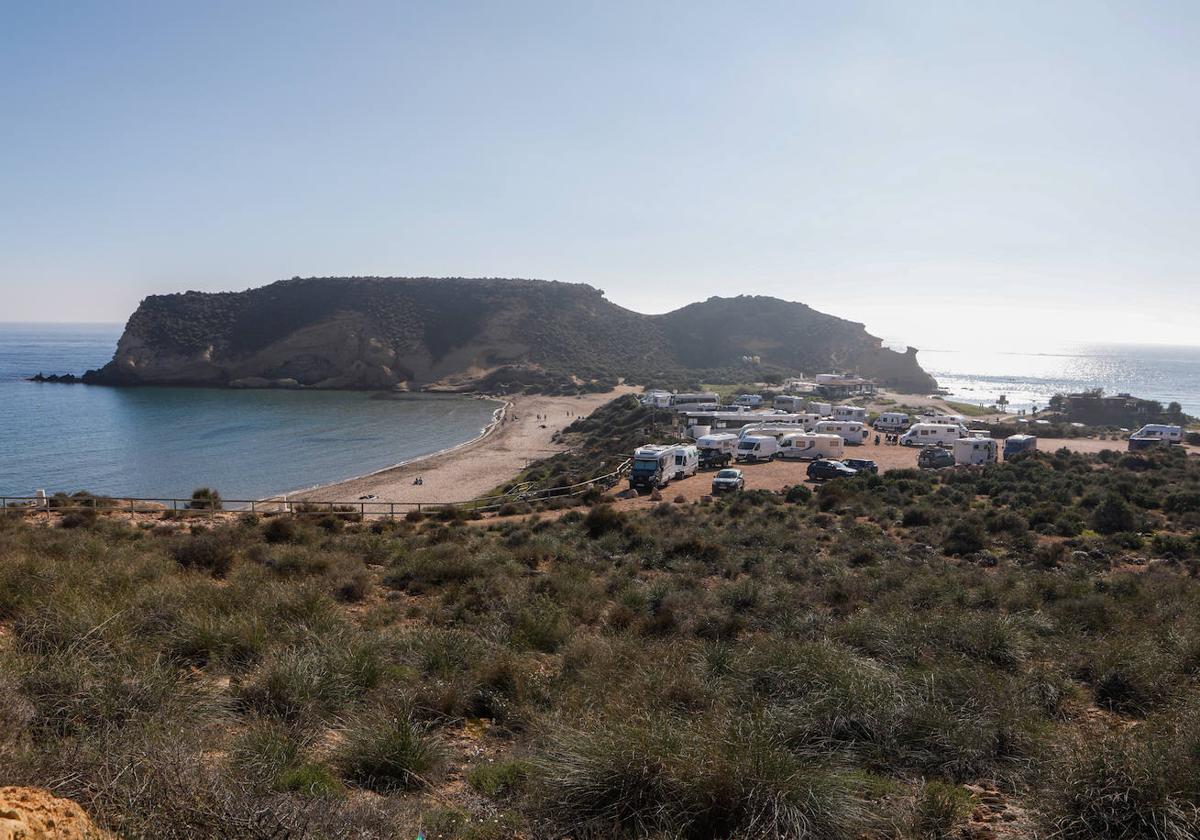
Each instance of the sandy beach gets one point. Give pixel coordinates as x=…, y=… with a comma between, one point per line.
x=522, y=435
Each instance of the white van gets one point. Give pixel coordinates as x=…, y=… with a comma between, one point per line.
x=753, y=448
x=809, y=447
x=823, y=409
x=851, y=431
x=891, y=421
x=1167, y=434
x=975, y=450
x=850, y=412
x=748, y=400
x=685, y=461
x=932, y=434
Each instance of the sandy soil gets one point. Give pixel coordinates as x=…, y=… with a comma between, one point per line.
x=523, y=435
x=36, y=814
x=776, y=475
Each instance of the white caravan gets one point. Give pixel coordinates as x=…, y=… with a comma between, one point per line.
x=717, y=450
x=695, y=402
x=685, y=461
x=891, y=421
x=851, y=431
x=1157, y=431
x=809, y=447
x=975, y=450
x=849, y=412
x=789, y=402
x=932, y=434
x=752, y=448
x=824, y=409
x=748, y=400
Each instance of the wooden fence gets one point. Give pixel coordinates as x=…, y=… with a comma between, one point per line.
x=305, y=507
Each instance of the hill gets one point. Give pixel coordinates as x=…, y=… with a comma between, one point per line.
x=485, y=334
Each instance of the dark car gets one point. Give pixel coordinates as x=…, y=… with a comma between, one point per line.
x=862, y=465
x=727, y=480
x=935, y=458
x=822, y=470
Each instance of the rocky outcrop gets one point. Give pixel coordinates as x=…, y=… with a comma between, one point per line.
x=36, y=814
x=458, y=334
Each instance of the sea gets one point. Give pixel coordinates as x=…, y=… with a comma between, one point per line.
x=165, y=442
x=1029, y=379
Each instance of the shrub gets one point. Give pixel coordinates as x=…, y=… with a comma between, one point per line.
x=798, y=494
x=1113, y=516
x=966, y=536
x=498, y=779
x=601, y=519
x=210, y=551
x=940, y=811
x=205, y=498
x=387, y=753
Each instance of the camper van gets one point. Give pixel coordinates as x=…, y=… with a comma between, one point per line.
x=1016, y=444
x=851, y=431
x=685, y=461
x=974, y=450
x=717, y=450
x=849, y=412
x=1167, y=434
x=695, y=402
x=942, y=419
x=652, y=467
x=657, y=399
x=932, y=434
x=807, y=447
x=892, y=421
x=789, y=402
x=748, y=400
x=753, y=448
x=821, y=408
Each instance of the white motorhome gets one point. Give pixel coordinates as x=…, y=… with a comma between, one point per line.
x=657, y=399
x=753, y=448
x=942, y=419
x=789, y=402
x=974, y=450
x=685, y=461
x=748, y=400
x=851, y=431
x=652, y=467
x=822, y=408
x=717, y=449
x=803, y=446
x=892, y=421
x=850, y=412
x=782, y=424
x=696, y=401
x=1158, y=431
x=932, y=434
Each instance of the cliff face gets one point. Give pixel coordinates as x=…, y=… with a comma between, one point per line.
x=385, y=333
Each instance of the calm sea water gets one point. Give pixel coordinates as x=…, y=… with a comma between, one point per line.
x=1167, y=374
x=167, y=441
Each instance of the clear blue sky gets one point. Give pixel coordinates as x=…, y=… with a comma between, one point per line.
x=938, y=170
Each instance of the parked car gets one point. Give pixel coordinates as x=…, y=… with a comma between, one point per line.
x=822, y=470
x=727, y=480
x=935, y=458
x=862, y=465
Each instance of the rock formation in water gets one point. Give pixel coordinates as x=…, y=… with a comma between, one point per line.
x=487, y=334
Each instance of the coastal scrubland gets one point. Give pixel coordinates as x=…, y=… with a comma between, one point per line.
x=1012, y=649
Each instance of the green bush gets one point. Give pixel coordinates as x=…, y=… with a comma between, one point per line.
x=388, y=752
x=1113, y=516
x=205, y=498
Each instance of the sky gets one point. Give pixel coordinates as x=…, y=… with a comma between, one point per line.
x=1020, y=174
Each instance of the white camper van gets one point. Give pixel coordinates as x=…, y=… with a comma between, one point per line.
x=1158, y=431
x=652, y=467
x=974, y=450
x=695, y=402
x=717, y=450
x=850, y=412
x=657, y=399
x=824, y=409
x=932, y=434
x=891, y=421
x=748, y=400
x=752, y=448
x=942, y=419
x=851, y=431
x=808, y=447
x=685, y=461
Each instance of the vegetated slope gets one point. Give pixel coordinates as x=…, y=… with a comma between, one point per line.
x=490, y=334
x=862, y=662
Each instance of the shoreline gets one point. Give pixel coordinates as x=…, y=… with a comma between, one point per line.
x=522, y=432
x=497, y=419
